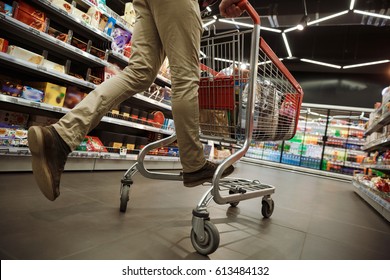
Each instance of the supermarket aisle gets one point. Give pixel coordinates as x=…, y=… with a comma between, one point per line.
x=314, y=218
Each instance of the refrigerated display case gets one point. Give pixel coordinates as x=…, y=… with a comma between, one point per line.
x=328, y=138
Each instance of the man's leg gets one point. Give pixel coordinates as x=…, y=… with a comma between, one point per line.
x=50, y=145
x=180, y=28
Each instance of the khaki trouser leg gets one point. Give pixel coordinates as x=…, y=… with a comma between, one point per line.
x=180, y=28
x=146, y=59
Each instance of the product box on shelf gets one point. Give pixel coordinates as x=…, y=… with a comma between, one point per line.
x=95, y=15
x=102, y=22
x=13, y=136
x=110, y=26
x=13, y=118
x=32, y=94
x=63, y=5
x=79, y=44
x=81, y=16
x=52, y=66
x=25, y=55
x=11, y=87
x=30, y=16
x=110, y=71
x=3, y=45
x=73, y=97
x=121, y=38
x=5, y=8
x=58, y=34
x=54, y=94
x=92, y=144
x=41, y=120
x=129, y=15
x=97, y=52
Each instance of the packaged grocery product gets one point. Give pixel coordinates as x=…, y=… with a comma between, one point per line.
x=52, y=66
x=25, y=55
x=110, y=71
x=11, y=87
x=102, y=22
x=30, y=15
x=58, y=34
x=13, y=118
x=79, y=44
x=54, y=94
x=73, y=97
x=129, y=15
x=83, y=17
x=63, y=5
x=110, y=26
x=3, y=45
x=120, y=37
x=5, y=8
x=33, y=94
x=95, y=15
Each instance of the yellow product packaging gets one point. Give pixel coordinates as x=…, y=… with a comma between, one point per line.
x=54, y=94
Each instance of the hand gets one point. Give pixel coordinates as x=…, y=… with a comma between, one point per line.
x=229, y=9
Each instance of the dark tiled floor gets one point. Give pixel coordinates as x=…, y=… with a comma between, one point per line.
x=314, y=218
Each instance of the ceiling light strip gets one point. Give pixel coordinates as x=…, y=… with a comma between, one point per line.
x=371, y=14
x=366, y=64
x=320, y=63
x=209, y=23
x=327, y=18
x=287, y=45
x=352, y=4
x=236, y=23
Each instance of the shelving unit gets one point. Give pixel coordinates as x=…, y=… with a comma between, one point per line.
x=17, y=158
x=328, y=139
x=379, y=200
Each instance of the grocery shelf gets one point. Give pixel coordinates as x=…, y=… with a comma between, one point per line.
x=42, y=71
x=24, y=31
x=378, y=144
x=86, y=5
x=72, y=21
x=51, y=108
x=18, y=159
x=377, y=202
x=378, y=124
x=376, y=166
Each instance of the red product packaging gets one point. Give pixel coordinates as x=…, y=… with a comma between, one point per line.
x=3, y=45
x=30, y=16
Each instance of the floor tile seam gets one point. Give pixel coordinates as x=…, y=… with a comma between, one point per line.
x=351, y=224
x=345, y=244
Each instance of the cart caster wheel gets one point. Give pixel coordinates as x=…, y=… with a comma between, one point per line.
x=124, y=198
x=233, y=204
x=268, y=207
x=211, y=239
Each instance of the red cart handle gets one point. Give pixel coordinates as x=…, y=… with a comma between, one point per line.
x=246, y=6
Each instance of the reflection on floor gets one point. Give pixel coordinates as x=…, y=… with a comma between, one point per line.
x=314, y=218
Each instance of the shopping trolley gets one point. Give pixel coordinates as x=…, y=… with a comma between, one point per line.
x=240, y=100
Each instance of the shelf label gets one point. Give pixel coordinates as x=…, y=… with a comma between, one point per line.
x=35, y=104
x=42, y=68
x=57, y=109
x=78, y=51
x=63, y=12
x=2, y=16
x=34, y=31
x=123, y=152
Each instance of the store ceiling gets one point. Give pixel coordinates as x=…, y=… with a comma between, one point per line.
x=349, y=39
x=345, y=40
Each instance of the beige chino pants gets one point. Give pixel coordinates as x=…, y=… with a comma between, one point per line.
x=169, y=28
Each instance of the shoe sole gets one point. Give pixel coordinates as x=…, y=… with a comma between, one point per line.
x=209, y=180
x=39, y=166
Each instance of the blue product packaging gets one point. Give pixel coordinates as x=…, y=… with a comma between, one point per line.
x=32, y=94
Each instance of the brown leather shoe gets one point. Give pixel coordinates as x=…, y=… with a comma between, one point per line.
x=205, y=174
x=49, y=153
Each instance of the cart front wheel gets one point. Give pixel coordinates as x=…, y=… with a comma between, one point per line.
x=268, y=208
x=124, y=197
x=210, y=241
x=234, y=203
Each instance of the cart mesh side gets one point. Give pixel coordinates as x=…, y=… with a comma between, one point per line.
x=224, y=89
